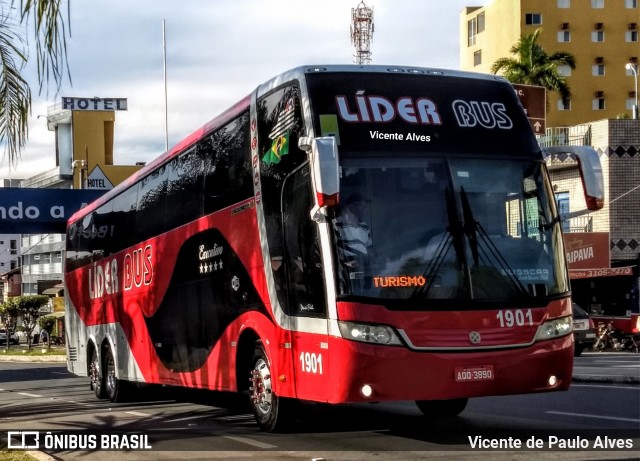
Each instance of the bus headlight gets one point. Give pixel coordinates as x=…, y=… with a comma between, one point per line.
x=554, y=329
x=364, y=333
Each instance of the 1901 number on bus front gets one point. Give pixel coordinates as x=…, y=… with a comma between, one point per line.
x=517, y=317
x=310, y=362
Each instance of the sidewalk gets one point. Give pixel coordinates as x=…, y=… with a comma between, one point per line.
x=586, y=369
x=36, y=354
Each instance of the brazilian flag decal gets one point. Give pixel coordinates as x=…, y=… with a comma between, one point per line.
x=279, y=148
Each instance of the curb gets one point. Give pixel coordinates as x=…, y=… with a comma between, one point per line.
x=606, y=379
x=33, y=358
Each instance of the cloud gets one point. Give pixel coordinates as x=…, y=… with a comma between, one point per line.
x=217, y=53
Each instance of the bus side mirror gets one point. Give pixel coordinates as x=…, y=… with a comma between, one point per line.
x=590, y=172
x=324, y=166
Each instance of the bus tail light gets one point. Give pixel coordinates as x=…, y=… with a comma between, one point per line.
x=365, y=333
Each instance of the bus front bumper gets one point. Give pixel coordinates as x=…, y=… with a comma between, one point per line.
x=370, y=373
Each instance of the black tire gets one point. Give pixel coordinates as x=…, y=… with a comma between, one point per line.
x=441, y=409
x=114, y=388
x=96, y=380
x=272, y=413
x=577, y=352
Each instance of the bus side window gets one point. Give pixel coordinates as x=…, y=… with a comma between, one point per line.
x=305, y=289
x=226, y=156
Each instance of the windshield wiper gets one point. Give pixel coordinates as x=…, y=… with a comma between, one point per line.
x=453, y=236
x=474, y=230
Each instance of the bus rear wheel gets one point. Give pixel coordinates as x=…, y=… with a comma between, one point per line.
x=440, y=409
x=270, y=411
x=114, y=388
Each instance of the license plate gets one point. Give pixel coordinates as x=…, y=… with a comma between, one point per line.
x=482, y=373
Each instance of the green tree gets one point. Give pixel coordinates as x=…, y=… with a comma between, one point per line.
x=533, y=66
x=41, y=24
x=29, y=309
x=9, y=317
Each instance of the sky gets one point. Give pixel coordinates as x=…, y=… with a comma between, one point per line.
x=217, y=52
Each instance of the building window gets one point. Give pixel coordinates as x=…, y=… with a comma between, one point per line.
x=597, y=36
x=597, y=3
x=597, y=70
x=631, y=3
x=631, y=36
x=480, y=22
x=629, y=72
x=597, y=104
x=564, y=36
x=58, y=256
x=564, y=3
x=630, y=103
x=477, y=58
x=564, y=104
x=533, y=18
x=564, y=70
x=472, y=31
x=562, y=199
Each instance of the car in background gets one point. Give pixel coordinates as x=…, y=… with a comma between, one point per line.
x=3, y=337
x=584, y=332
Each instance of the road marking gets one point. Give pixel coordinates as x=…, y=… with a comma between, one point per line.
x=26, y=394
x=608, y=386
x=84, y=404
x=612, y=418
x=186, y=418
x=137, y=413
x=234, y=417
x=253, y=443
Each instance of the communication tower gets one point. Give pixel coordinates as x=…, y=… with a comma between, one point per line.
x=362, y=32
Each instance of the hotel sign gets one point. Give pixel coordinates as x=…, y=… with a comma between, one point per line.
x=534, y=102
x=69, y=103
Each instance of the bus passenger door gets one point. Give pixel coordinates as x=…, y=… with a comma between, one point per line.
x=305, y=290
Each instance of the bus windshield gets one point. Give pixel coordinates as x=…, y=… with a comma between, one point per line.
x=447, y=229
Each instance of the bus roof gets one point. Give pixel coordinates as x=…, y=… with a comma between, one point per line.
x=291, y=74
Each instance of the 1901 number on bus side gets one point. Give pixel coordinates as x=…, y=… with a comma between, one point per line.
x=310, y=362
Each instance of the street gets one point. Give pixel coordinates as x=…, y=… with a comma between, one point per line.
x=190, y=424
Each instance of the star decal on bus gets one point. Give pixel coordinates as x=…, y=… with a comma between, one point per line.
x=208, y=267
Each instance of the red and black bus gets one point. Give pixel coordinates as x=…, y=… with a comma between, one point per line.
x=224, y=263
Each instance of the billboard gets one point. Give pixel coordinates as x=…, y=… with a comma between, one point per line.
x=35, y=211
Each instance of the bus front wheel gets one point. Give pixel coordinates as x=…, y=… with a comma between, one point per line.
x=97, y=383
x=440, y=409
x=270, y=411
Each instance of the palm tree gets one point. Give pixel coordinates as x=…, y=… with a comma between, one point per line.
x=44, y=24
x=533, y=66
